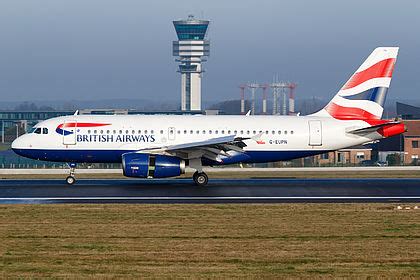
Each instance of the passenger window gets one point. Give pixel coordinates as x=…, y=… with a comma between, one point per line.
x=204, y=132
x=45, y=130
x=139, y=132
x=161, y=132
x=38, y=130
x=89, y=131
x=285, y=132
x=291, y=132
x=152, y=131
x=279, y=132
x=185, y=131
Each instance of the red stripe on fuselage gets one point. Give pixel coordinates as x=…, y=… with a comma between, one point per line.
x=382, y=69
x=74, y=124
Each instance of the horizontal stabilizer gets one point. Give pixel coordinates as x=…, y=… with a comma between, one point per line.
x=370, y=129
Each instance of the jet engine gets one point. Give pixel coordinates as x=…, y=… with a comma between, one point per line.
x=151, y=166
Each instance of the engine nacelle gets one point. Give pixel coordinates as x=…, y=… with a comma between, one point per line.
x=152, y=166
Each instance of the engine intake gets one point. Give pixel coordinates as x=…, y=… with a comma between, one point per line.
x=152, y=166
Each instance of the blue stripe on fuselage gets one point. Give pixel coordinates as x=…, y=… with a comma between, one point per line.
x=114, y=156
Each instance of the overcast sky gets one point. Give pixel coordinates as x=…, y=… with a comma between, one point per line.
x=78, y=49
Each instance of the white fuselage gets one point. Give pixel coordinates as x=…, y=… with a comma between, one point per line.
x=102, y=138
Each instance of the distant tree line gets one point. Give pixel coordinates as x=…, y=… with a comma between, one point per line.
x=30, y=106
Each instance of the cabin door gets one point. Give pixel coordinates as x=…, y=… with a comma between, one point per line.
x=69, y=131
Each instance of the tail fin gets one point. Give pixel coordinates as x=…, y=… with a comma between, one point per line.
x=363, y=96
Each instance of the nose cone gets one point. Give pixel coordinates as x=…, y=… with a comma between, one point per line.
x=20, y=145
x=16, y=143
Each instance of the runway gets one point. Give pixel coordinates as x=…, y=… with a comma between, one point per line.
x=217, y=191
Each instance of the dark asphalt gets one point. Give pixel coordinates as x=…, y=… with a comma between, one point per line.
x=217, y=191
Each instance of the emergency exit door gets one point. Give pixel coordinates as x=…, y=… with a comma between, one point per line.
x=315, y=133
x=171, y=133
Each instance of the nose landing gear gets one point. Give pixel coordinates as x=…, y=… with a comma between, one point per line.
x=70, y=180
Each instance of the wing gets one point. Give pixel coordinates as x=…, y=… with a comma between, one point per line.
x=212, y=149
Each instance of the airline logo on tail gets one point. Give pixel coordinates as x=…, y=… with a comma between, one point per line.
x=363, y=96
x=65, y=132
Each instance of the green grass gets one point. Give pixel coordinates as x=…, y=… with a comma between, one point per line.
x=209, y=241
x=4, y=147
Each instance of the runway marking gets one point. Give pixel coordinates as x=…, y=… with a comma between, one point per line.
x=215, y=198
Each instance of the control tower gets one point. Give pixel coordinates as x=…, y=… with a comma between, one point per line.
x=191, y=50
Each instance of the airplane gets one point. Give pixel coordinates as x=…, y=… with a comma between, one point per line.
x=161, y=146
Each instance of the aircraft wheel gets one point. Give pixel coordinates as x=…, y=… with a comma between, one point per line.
x=200, y=178
x=70, y=180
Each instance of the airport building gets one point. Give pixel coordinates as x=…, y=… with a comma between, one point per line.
x=350, y=156
x=191, y=49
x=412, y=142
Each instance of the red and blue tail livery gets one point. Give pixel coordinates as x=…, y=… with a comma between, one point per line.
x=363, y=96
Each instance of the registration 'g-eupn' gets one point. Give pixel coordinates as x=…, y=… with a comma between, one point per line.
x=159, y=146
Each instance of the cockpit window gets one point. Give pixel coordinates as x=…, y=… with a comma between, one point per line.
x=45, y=130
x=37, y=130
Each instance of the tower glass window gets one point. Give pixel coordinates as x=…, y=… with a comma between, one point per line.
x=190, y=31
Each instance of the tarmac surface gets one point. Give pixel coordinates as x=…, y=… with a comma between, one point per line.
x=217, y=191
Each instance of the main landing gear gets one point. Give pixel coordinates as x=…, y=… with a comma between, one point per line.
x=70, y=180
x=200, y=178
